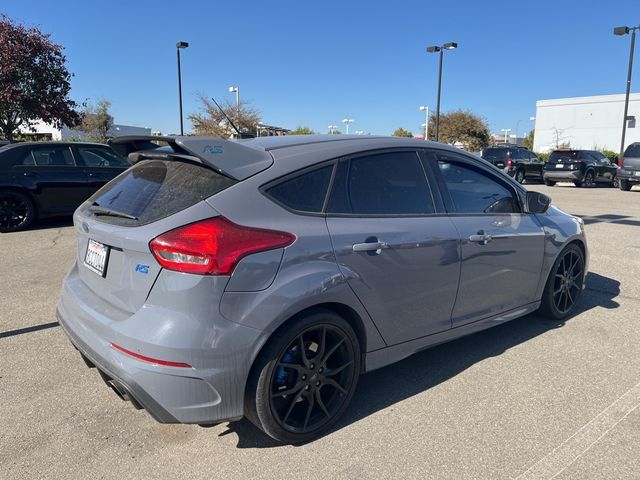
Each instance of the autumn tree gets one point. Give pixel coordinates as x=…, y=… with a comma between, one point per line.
x=462, y=127
x=528, y=140
x=97, y=121
x=401, y=132
x=34, y=80
x=211, y=121
x=302, y=131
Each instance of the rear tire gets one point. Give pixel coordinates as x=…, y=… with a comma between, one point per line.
x=549, y=183
x=615, y=183
x=296, y=394
x=624, y=185
x=588, y=180
x=564, y=284
x=17, y=211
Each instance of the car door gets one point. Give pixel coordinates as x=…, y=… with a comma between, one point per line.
x=101, y=164
x=502, y=248
x=50, y=172
x=393, y=244
x=605, y=171
x=535, y=166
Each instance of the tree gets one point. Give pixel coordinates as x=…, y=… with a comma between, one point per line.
x=302, y=131
x=401, y=132
x=34, y=80
x=462, y=127
x=97, y=121
x=528, y=140
x=210, y=121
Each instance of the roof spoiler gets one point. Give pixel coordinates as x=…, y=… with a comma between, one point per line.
x=237, y=160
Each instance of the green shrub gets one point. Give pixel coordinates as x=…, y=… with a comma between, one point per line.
x=543, y=156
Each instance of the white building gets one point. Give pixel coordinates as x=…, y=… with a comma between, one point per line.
x=585, y=122
x=44, y=131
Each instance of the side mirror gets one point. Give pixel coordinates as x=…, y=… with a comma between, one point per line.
x=537, y=202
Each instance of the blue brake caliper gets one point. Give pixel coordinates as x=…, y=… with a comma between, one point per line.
x=282, y=374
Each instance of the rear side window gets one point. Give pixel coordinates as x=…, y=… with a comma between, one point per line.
x=495, y=153
x=383, y=184
x=154, y=189
x=633, y=151
x=49, y=157
x=305, y=192
x=101, y=157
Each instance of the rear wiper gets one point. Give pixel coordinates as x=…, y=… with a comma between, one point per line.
x=97, y=210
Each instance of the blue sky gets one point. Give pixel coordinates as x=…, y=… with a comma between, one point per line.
x=313, y=63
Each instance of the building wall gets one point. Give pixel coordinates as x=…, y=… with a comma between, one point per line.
x=45, y=131
x=585, y=122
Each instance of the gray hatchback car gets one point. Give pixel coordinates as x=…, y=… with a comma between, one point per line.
x=218, y=279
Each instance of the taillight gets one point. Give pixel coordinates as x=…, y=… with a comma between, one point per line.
x=621, y=162
x=509, y=162
x=213, y=246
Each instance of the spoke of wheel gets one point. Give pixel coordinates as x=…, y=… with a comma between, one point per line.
x=569, y=295
x=295, y=389
x=293, y=366
x=331, y=352
x=559, y=299
x=334, y=384
x=566, y=300
x=321, y=403
x=558, y=290
x=323, y=343
x=290, y=409
x=311, y=401
x=335, y=371
x=303, y=350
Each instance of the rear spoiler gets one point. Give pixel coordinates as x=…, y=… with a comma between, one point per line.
x=234, y=159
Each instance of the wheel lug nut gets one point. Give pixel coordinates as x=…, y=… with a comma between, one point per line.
x=317, y=384
x=312, y=366
x=306, y=387
x=320, y=370
x=304, y=377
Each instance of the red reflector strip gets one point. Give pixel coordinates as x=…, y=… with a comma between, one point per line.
x=155, y=361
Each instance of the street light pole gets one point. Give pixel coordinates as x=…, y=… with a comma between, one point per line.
x=441, y=49
x=624, y=31
x=180, y=46
x=347, y=121
x=237, y=92
x=505, y=130
x=425, y=109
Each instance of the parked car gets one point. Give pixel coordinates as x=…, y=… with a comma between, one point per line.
x=218, y=279
x=585, y=168
x=519, y=162
x=43, y=179
x=629, y=171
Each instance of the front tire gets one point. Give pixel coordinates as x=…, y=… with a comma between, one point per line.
x=624, y=185
x=564, y=284
x=549, y=183
x=17, y=211
x=588, y=180
x=304, y=378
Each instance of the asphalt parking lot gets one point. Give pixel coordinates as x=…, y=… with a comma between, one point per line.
x=529, y=399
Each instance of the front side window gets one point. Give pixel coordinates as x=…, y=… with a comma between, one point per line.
x=381, y=184
x=49, y=157
x=473, y=191
x=101, y=157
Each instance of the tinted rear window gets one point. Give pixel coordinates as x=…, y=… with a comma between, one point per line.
x=305, y=192
x=568, y=155
x=495, y=153
x=633, y=151
x=154, y=189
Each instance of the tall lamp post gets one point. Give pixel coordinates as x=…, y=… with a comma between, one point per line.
x=332, y=129
x=180, y=46
x=425, y=109
x=347, y=121
x=440, y=49
x=505, y=130
x=624, y=31
x=236, y=90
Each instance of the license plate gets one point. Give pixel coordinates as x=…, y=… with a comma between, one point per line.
x=559, y=165
x=97, y=257
x=637, y=174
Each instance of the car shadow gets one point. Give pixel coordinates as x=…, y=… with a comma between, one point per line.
x=53, y=222
x=382, y=388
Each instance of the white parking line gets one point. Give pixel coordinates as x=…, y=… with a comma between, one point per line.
x=581, y=441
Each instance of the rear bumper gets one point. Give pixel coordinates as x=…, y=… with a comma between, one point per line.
x=562, y=176
x=218, y=353
x=628, y=175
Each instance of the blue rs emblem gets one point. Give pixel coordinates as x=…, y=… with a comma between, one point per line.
x=142, y=268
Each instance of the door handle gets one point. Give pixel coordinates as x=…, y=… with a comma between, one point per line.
x=481, y=238
x=91, y=174
x=30, y=174
x=375, y=247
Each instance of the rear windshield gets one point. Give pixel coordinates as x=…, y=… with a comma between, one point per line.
x=154, y=189
x=633, y=151
x=495, y=153
x=568, y=155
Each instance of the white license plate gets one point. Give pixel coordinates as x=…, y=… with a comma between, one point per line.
x=637, y=174
x=97, y=257
x=559, y=165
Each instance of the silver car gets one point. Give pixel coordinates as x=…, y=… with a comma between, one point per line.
x=218, y=279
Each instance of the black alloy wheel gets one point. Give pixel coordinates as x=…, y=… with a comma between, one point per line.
x=564, y=285
x=615, y=183
x=16, y=211
x=624, y=185
x=306, y=386
x=588, y=180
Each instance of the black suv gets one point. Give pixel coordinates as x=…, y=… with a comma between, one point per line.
x=629, y=171
x=516, y=161
x=585, y=168
x=42, y=179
